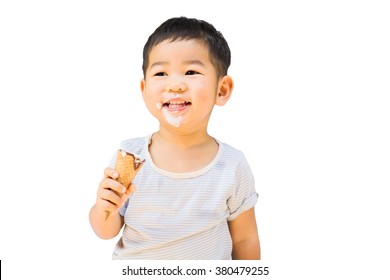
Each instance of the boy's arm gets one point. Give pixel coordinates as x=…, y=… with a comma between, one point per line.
x=104, y=216
x=243, y=230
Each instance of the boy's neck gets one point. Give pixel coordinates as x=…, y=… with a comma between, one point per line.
x=183, y=140
x=182, y=152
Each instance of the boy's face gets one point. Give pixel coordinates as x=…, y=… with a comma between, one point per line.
x=181, y=87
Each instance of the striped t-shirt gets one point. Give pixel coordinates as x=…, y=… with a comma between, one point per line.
x=184, y=215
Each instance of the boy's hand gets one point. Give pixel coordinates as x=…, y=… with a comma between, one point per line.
x=111, y=194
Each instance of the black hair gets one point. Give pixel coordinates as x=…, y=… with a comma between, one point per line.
x=182, y=28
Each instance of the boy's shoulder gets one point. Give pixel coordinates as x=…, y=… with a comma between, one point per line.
x=234, y=160
x=231, y=151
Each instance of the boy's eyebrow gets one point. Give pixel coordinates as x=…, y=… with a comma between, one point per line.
x=186, y=62
x=158, y=63
x=194, y=61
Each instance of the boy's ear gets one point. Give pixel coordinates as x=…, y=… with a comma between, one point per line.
x=142, y=86
x=225, y=89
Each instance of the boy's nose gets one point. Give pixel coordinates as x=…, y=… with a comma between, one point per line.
x=176, y=87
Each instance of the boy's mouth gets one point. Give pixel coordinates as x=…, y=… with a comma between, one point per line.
x=176, y=104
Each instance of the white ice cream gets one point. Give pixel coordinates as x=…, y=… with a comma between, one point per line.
x=172, y=119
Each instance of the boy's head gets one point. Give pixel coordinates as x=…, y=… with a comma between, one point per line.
x=183, y=28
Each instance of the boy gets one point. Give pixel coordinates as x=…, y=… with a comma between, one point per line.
x=194, y=196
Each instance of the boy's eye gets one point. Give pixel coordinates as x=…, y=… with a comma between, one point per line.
x=160, y=74
x=191, y=72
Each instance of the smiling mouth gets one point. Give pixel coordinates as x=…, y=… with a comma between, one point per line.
x=176, y=105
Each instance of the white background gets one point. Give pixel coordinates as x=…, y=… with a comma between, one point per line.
x=310, y=111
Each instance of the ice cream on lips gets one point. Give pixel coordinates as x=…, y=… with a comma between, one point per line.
x=173, y=105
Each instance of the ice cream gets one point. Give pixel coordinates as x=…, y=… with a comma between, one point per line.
x=171, y=118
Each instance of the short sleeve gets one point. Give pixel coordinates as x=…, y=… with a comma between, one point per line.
x=244, y=195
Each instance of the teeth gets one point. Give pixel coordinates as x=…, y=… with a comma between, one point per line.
x=176, y=105
x=175, y=102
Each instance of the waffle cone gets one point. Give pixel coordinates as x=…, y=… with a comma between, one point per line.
x=127, y=165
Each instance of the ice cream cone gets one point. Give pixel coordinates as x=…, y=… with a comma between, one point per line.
x=127, y=165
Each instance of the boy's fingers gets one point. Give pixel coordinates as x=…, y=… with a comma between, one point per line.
x=128, y=193
x=111, y=184
x=110, y=197
x=131, y=189
x=110, y=173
